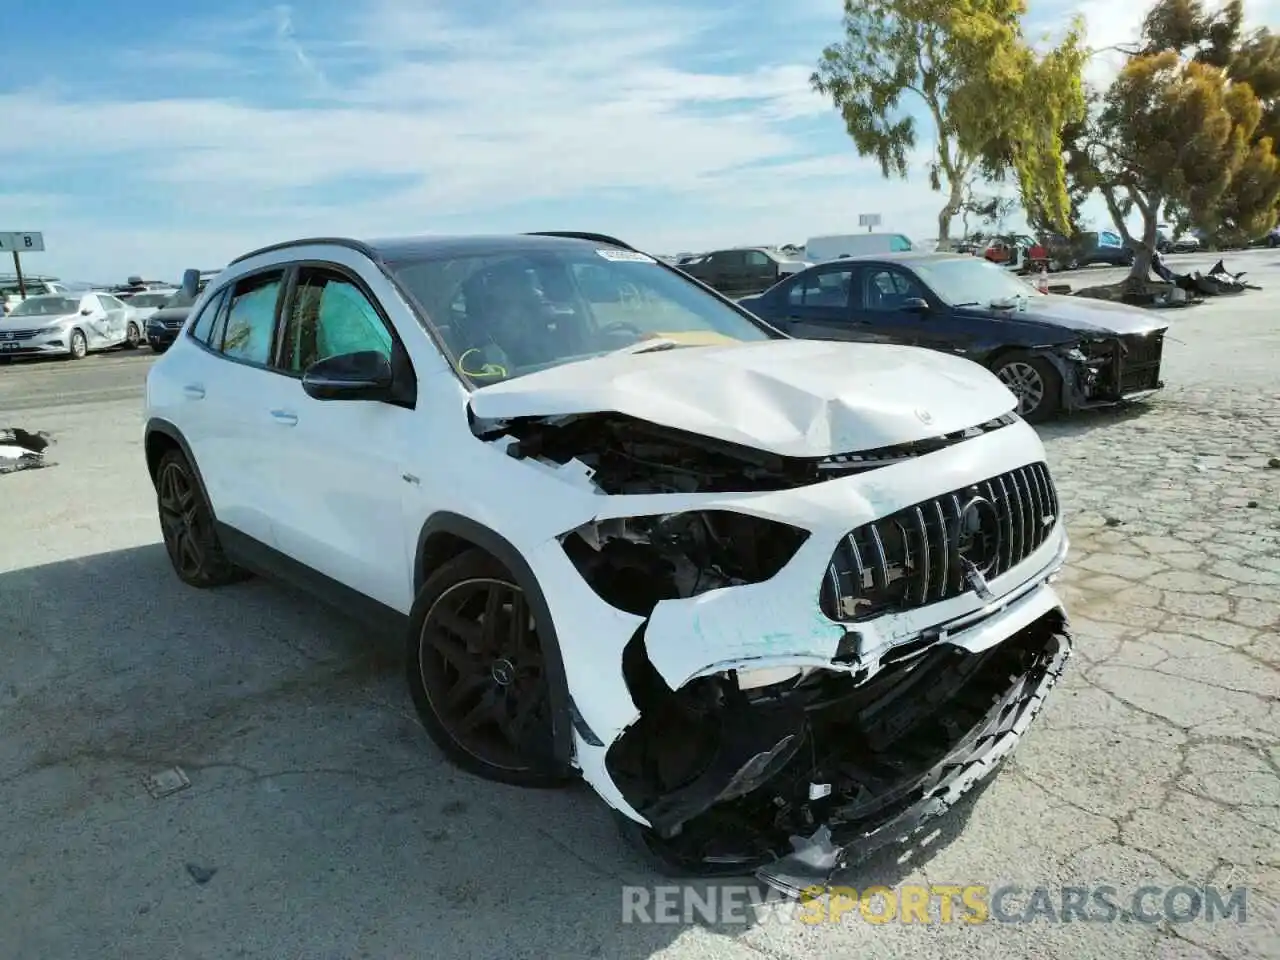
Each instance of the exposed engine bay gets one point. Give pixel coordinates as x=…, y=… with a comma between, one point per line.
x=785, y=767
x=629, y=456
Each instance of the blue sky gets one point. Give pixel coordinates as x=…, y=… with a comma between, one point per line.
x=144, y=137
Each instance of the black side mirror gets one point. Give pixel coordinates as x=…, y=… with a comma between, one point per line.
x=190, y=284
x=915, y=305
x=86, y=312
x=366, y=375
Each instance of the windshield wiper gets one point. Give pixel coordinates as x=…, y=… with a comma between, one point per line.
x=645, y=346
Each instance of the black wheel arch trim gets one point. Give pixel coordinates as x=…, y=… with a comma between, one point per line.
x=565, y=714
x=158, y=425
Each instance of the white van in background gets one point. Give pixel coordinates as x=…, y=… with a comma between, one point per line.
x=822, y=249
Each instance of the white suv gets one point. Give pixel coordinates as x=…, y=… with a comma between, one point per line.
x=777, y=601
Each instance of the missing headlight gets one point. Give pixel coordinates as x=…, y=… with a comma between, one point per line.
x=634, y=563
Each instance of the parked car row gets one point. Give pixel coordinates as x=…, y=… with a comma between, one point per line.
x=53, y=321
x=69, y=325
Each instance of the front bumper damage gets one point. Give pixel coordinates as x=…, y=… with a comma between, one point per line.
x=781, y=680
x=1106, y=370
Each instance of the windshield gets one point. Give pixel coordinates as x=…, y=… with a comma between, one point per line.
x=50, y=306
x=969, y=280
x=150, y=299
x=507, y=315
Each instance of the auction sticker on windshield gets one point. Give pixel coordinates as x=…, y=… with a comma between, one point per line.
x=626, y=256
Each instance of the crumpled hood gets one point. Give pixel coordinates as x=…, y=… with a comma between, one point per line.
x=800, y=398
x=1086, y=315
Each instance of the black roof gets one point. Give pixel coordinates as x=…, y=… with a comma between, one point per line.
x=395, y=249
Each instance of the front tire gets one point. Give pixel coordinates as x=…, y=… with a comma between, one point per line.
x=477, y=674
x=79, y=346
x=186, y=523
x=159, y=347
x=1034, y=381
x=132, y=337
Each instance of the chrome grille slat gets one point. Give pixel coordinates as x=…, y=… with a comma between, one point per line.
x=944, y=549
x=1028, y=512
x=910, y=558
x=1006, y=523
x=880, y=570
x=925, y=559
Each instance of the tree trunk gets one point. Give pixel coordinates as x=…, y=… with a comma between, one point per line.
x=953, y=206
x=1113, y=207
x=1141, y=269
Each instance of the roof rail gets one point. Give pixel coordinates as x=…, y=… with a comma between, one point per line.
x=576, y=235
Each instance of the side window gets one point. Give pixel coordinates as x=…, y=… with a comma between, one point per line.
x=899, y=243
x=327, y=317
x=100, y=302
x=250, y=320
x=822, y=288
x=204, y=322
x=757, y=259
x=887, y=289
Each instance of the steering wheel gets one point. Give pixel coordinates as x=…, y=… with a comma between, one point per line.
x=629, y=294
x=621, y=326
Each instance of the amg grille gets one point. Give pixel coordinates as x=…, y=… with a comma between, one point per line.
x=1140, y=358
x=931, y=551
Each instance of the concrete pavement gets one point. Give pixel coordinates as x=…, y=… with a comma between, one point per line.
x=319, y=821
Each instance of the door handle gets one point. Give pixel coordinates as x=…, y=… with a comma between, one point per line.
x=284, y=418
x=193, y=391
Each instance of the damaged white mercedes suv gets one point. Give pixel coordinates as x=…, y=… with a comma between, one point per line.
x=777, y=601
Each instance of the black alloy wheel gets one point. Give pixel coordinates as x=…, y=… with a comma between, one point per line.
x=186, y=524
x=478, y=676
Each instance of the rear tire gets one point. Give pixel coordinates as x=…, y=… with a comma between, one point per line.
x=1034, y=381
x=186, y=523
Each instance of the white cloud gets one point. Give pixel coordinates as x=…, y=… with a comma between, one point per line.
x=247, y=136
x=554, y=103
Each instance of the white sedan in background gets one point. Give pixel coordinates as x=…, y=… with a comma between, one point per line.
x=68, y=325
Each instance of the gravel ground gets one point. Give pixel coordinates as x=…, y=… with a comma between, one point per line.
x=319, y=822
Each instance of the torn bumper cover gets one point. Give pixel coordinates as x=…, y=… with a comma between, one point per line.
x=1027, y=665
x=774, y=680
x=1103, y=371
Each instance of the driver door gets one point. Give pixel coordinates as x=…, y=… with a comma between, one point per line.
x=96, y=322
x=882, y=308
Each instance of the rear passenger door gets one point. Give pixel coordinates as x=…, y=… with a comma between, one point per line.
x=232, y=391
x=340, y=463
